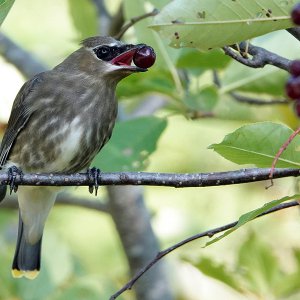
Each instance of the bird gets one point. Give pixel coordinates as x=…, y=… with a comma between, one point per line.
x=60, y=120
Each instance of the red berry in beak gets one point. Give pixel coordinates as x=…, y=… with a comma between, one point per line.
x=144, y=57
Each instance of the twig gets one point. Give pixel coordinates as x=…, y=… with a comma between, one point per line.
x=209, y=233
x=153, y=179
x=23, y=60
x=10, y=202
x=280, y=151
x=135, y=20
x=260, y=57
x=256, y=101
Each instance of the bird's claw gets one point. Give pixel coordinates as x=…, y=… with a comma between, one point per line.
x=13, y=172
x=93, y=175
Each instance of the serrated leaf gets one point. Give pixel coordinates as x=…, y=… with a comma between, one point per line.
x=258, y=144
x=131, y=144
x=5, y=6
x=209, y=24
x=247, y=217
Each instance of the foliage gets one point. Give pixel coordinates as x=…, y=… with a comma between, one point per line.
x=5, y=6
x=132, y=143
x=186, y=80
x=257, y=269
x=210, y=24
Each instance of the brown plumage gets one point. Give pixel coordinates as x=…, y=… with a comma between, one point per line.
x=59, y=121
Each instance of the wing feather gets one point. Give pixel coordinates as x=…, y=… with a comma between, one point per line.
x=20, y=115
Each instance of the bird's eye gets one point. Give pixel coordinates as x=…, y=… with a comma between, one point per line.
x=103, y=53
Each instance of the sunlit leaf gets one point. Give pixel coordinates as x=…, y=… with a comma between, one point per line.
x=5, y=6
x=247, y=217
x=131, y=144
x=208, y=24
x=258, y=144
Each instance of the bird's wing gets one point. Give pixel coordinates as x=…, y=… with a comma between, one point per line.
x=20, y=114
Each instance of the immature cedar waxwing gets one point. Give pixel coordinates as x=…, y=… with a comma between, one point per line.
x=60, y=120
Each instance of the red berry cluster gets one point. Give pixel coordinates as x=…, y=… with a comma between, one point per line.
x=292, y=86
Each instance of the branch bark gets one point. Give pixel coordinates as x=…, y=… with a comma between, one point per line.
x=153, y=179
x=260, y=56
x=209, y=233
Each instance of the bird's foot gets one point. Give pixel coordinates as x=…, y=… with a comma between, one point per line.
x=93, y=174
x=13, y=172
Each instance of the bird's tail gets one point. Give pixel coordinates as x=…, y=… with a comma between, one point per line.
x=27, y=259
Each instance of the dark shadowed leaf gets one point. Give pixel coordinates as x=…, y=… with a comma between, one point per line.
x=131, y=144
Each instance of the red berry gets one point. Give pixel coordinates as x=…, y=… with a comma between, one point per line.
x=297, y=107
x=295, y=68
x=292, y=87
x=144, y=57
x=295, y=14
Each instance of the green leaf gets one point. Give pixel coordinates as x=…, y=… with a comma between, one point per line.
x=258, y=144
x=165, y=56
x=155, y=80
x=131, y=144
x=263, y=273
x=217, y=271
x=84, y=16
x=192, y=59
x=5, y=6
x=245, y=218
x=205, y=100
x=211, y=24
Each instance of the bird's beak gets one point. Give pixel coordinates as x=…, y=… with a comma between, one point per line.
x=124, y=60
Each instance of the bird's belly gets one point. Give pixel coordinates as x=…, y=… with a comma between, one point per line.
x=49, y=149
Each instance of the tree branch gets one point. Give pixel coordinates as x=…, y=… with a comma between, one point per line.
x=153, y=179
x=260, y=56
x=255, y=101
x=10, y=202
x=23, y=60
x=210, y=233
x=133, y=21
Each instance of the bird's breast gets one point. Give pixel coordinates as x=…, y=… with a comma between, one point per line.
x=65, y=137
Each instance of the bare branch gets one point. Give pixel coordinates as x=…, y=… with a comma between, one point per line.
x=260, y=56
x=153, y=179
x=255, y=101
x=23, y=60
x=209, y=233
x=10, y=202
x=135, y=20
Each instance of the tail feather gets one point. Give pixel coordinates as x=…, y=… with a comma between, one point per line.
x=3, y=189
x=27, y=259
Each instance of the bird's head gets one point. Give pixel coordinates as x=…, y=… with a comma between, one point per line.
x=105, y=56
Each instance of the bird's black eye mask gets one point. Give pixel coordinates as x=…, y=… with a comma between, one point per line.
x=107, y=53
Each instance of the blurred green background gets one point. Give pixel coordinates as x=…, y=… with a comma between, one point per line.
x=82, y=254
